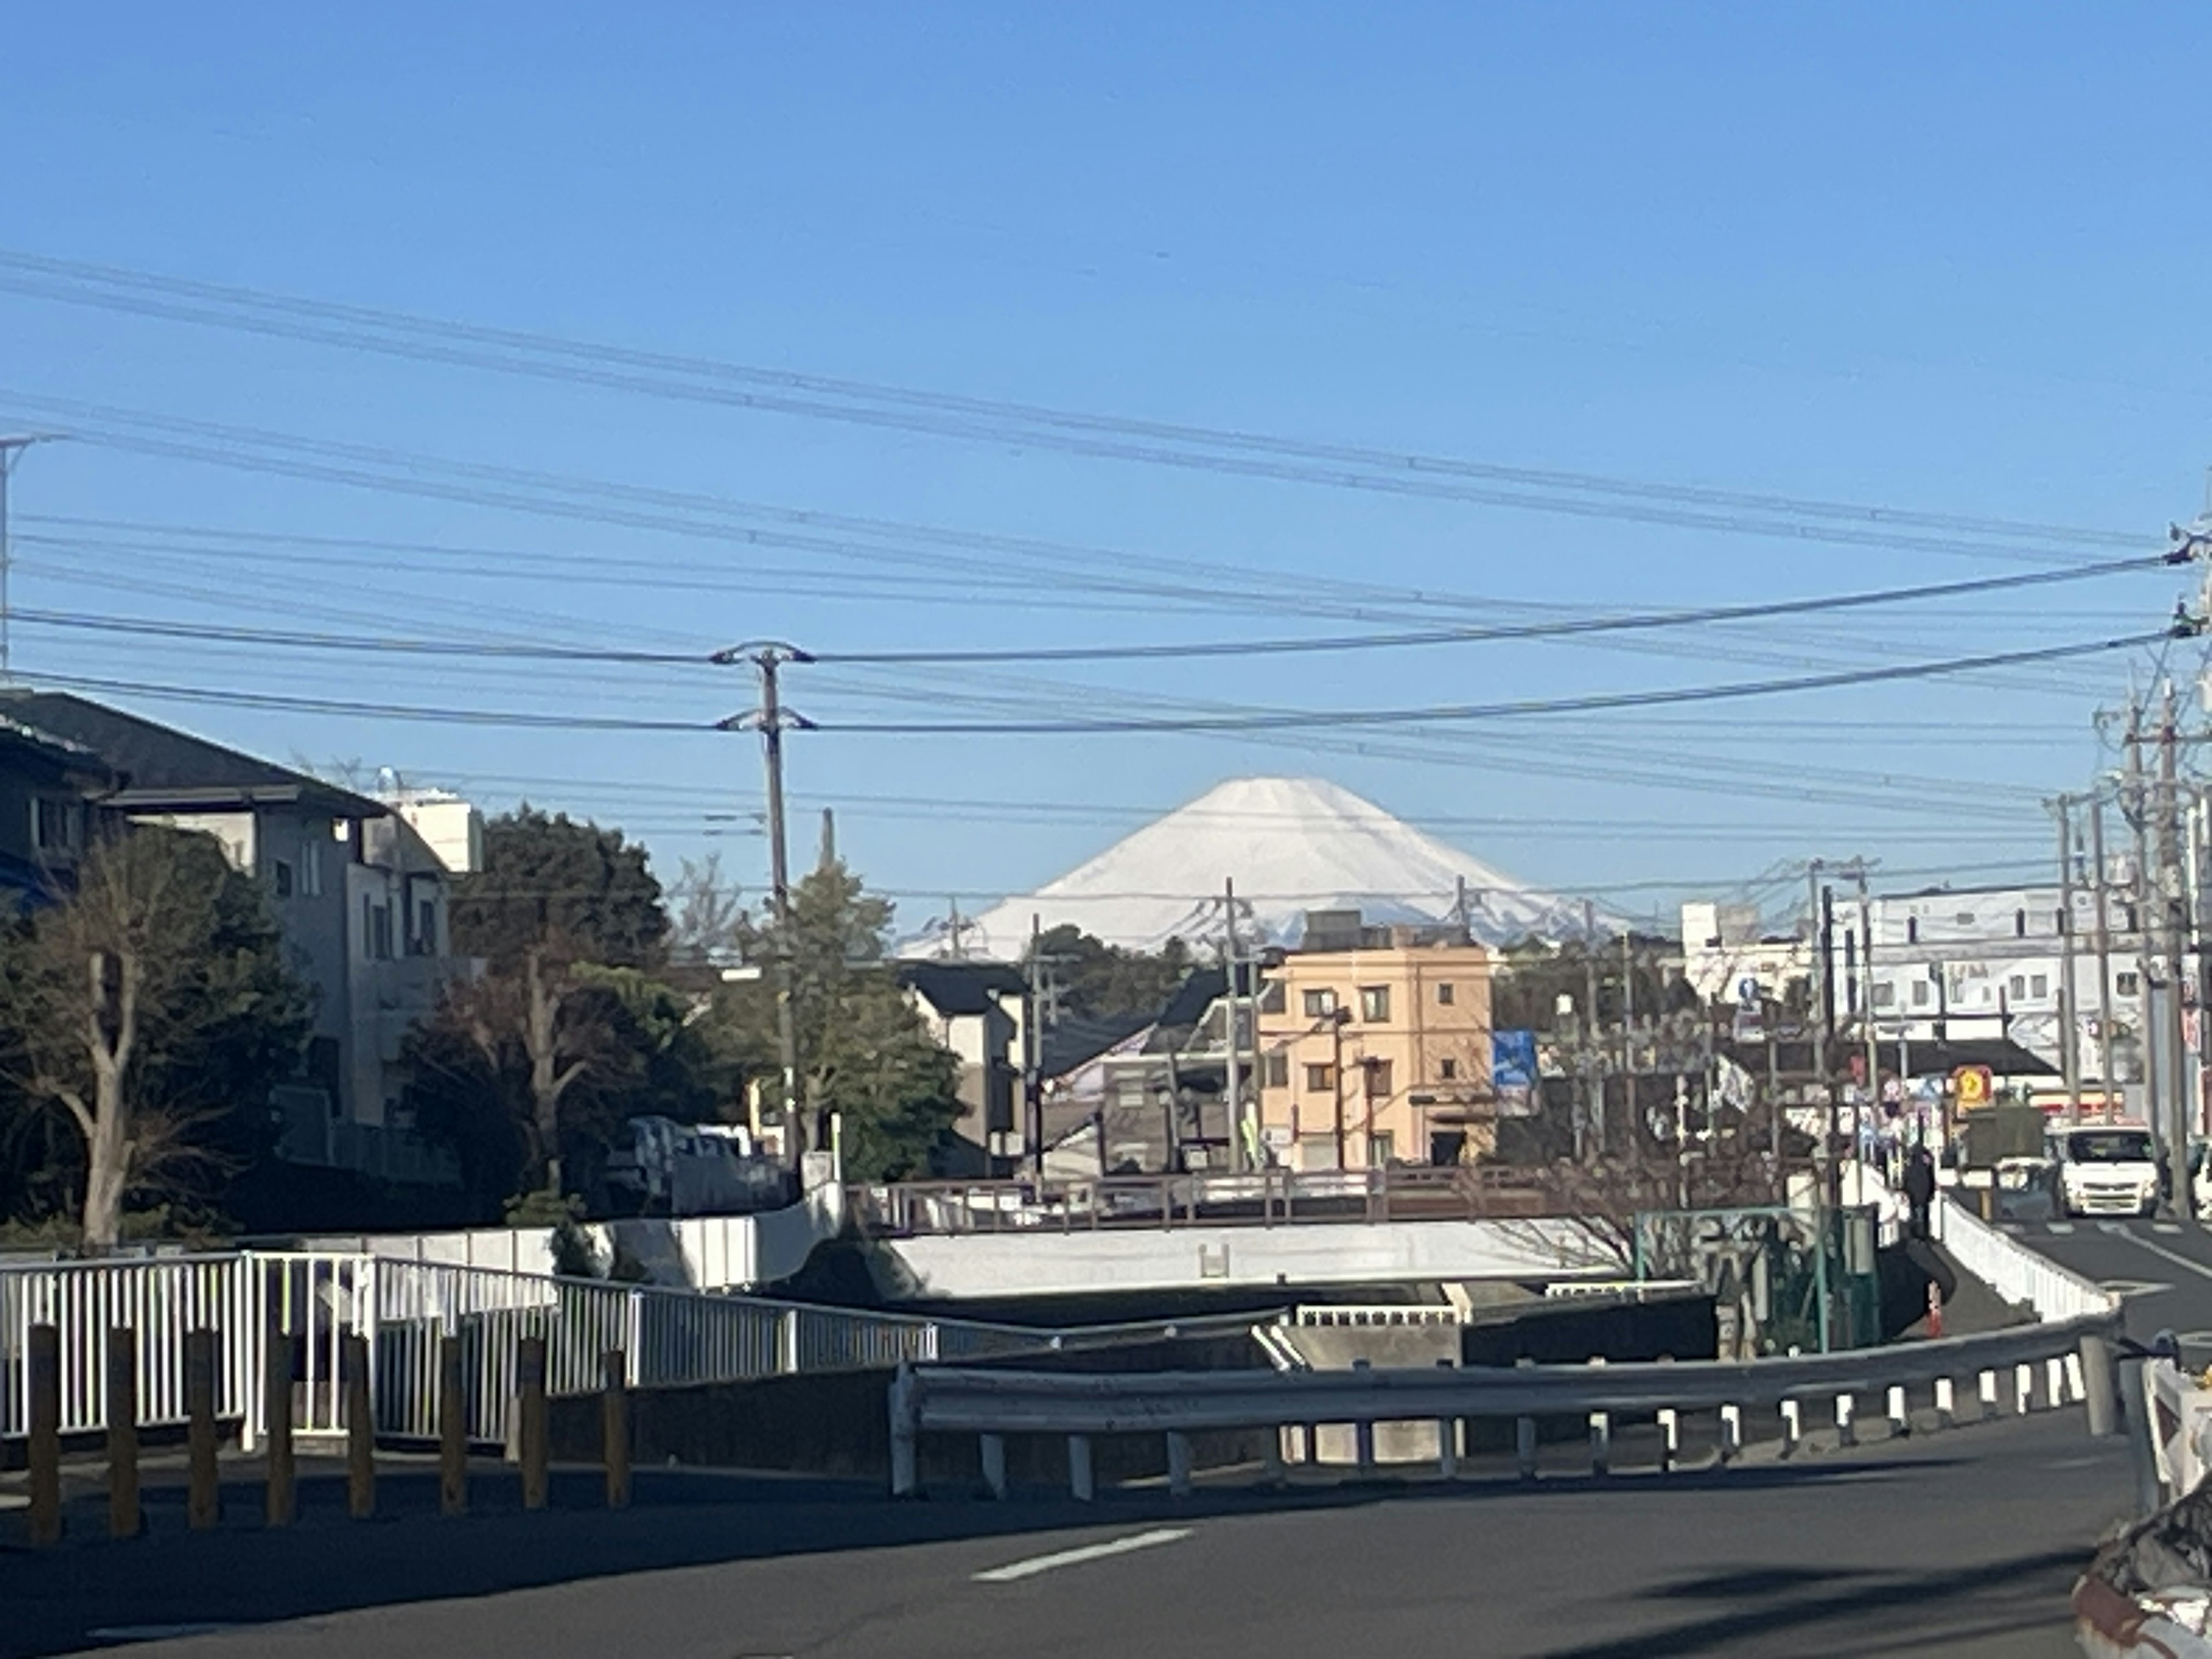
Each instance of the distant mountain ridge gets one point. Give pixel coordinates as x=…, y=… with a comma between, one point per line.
x=1290, y=845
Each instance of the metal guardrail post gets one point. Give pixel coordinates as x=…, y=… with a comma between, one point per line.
x=1670, y=1440
x=1601, y=1436
x=360, y=1426
x=1947, y=1408
x=1178, y=1464
x=204, y=1488
x=991, y=1454
x=1987, y=1387
x=124, y=1518
x=2095, y=1355
x=1793, y=1427
x=2135, y=1383
x=1731, y=1434
x=1080, y=1485
x=1847, y=1433
x=2023, y=1389
x=1524, y=1432
x=904, y=1478
x=1901, y=1419
x=43, y=1371
x=1447, y=1437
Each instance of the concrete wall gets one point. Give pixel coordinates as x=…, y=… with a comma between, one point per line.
x=1045, y=1263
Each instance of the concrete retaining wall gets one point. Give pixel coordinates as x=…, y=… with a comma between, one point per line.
x=1048, y=1263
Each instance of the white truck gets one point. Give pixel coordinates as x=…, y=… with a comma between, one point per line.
x=2109, y=1169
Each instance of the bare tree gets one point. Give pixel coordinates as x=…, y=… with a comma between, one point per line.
x=707, y=922
x=147, y=1001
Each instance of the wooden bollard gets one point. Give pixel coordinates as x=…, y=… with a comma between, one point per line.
x=46, y=1449
x=530, y=1435
x=281, y=1506
x=204, y=1480
x=614, y=1425
x=453, y=1429
x=124, y=1518
x=360, y=1427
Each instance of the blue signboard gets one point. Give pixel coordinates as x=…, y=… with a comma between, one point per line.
x=1512, y=1060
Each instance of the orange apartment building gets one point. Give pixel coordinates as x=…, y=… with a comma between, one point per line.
x=1377, y=1051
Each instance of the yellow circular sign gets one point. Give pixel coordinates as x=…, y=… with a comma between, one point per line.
x=1972, y=1085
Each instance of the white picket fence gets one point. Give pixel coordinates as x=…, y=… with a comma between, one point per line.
x=403, y=1309
x=2014, y=1271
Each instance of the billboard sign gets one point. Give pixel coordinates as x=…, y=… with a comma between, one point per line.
x=1513, y=1071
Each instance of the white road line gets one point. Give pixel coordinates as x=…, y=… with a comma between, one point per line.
x=2166, y=1226
x=2175, y=1257
x=150, y=1632
x=2061, y=1228
x=2117, y=1228
x=1037, y=1564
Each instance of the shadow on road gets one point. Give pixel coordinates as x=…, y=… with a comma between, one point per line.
x=1858, y=1612
x=243, y=1573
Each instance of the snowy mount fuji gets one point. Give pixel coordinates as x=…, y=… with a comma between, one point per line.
x=1290, y=845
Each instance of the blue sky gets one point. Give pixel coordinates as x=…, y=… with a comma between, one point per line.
x=1930, y=260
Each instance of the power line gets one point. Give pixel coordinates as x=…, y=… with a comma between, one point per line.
x=1230, y=451
x=1443, y=714
x=1618, y=623
x=161, y=628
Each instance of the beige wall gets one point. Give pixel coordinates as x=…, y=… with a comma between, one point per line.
x=1420, y=1045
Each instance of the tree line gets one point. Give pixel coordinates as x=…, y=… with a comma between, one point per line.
x=148, y=1014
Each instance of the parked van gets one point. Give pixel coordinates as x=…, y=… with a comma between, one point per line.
x=2105, y=1170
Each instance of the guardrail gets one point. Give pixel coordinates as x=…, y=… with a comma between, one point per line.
x=1264, y=1198
x=2073, y=1357
x=313, y=1300
x=2014, y=1271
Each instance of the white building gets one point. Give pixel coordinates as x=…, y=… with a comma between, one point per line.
x=1963, y=963
x=359, y=896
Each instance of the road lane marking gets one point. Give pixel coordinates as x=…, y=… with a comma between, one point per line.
x=2117, y=1228
x=2125, y=1288
x=151, y=1633
x=2174, y=1257
x=2166, y=1226
x=2061, y=1228
x=1037, y=1564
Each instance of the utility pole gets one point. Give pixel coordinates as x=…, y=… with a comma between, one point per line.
x=771, y=720
x=2069, y=1034
x=1234, y=1075
x=2172, y=905
x=1826, y=1037
x=1593, y=1074
x=1872, y=1092
x=1033, y=1053
x=1629, y=1104
x=2103, y=943
x=1817, y=937
x=2134, y=807
x=11, y=450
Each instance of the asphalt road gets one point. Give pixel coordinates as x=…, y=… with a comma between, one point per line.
x=1960, y=1543
x=2163, y=1271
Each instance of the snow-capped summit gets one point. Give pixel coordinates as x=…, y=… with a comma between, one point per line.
x=1290, y=845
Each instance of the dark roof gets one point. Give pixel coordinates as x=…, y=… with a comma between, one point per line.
x=1201, y=989
x=1076, y=1042
x=158, y=766
x=1794, y=1056
x=962, y=987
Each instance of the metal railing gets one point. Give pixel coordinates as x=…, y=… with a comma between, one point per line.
x=312, y=1300
x=1264, y=1198
x=2070, y=1358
